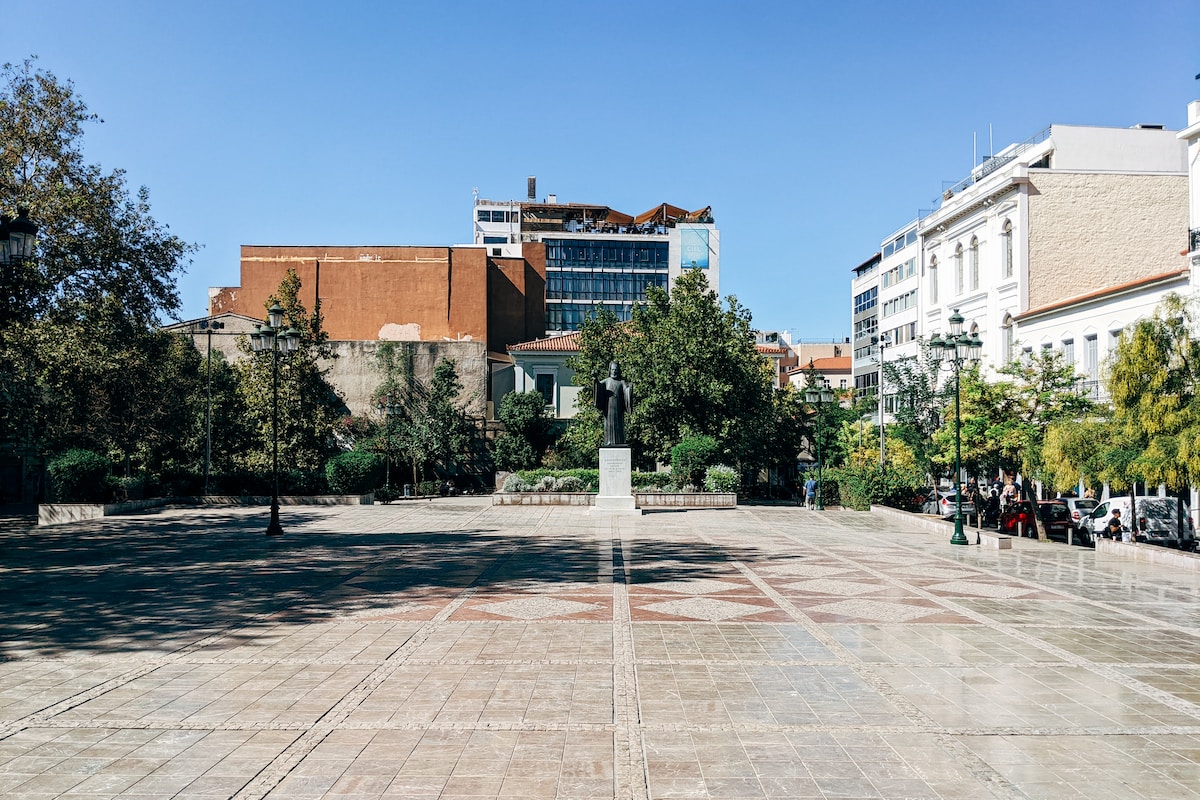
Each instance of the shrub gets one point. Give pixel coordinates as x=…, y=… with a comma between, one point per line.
x=428, y=488
x=353, y=472
x=79, y=476
x=568, y=483
x=721, y=478
x=690, y=457
x=589, y=478
x=515, y=483
x=651, y=480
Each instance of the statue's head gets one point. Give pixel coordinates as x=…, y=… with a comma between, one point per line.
x=614, y=370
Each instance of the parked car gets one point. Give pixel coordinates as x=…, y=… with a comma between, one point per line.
x=1157, y=521
x=943, y=504
x=1053, y=517
x=1081, y=511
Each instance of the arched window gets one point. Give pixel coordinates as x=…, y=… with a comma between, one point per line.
x=1007, y=256
x=974, y=263
x=933, y=280
x=958, y=270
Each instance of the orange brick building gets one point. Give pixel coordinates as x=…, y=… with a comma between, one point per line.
x=401, y=293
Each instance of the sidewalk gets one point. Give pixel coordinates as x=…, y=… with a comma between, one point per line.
x=454, y=649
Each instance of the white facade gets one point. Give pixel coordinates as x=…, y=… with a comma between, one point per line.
x=1049, y=242
x=1191, y=136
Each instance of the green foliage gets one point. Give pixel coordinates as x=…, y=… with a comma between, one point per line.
x=353, y=472
x=861, y=484
x=82, y=362
x=526, y=431
x=429, y=488
x=691, y=456
x=720, y=478
x=589, y=479
x=579, y=445
x=1153, y=382
x=650, y=480
x=309, y=407
x=916, y=382
x=79, y=476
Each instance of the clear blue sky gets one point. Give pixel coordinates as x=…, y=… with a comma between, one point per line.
x=813, y=130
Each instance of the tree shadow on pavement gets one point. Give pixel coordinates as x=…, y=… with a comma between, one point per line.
x=158, y=583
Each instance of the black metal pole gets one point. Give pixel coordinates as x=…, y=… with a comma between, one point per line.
x=274, y=528
x=208, y=415
x=820, y=464
x=958, y=537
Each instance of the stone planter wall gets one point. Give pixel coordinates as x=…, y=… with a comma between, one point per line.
x=62, y=513
x=1149, y=553
x=642, y=500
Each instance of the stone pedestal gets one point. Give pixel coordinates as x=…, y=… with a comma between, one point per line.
x=616, y=486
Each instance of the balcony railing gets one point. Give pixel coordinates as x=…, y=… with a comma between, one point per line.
x=1193, y=240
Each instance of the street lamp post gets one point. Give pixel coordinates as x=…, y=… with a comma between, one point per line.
x=390, y=410
x=271, y=337
x=957, y=349
x=208, y=325
x=882, y=343
x=818, y=394
x=17, y=239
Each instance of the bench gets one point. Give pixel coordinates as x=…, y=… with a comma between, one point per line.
x=995, y=540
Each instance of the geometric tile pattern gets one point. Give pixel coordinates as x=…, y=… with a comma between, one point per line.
x=705, y=608
x=454, y=649
x=536, y=608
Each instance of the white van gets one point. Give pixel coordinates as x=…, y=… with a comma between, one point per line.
x=1158, y=522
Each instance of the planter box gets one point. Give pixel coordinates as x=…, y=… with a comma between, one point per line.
x=62, y=513
x=1149, y=553
x=642, y=500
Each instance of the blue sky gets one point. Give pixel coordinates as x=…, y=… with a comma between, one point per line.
x=813, y=130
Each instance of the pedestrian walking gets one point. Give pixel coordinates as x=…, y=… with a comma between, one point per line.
x=810, y=494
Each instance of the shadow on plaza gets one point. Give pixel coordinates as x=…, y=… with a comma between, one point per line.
x=160, y=582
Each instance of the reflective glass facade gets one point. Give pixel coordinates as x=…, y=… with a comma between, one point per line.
x=586, y=272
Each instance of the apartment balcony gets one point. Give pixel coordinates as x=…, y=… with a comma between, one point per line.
x=1194, y=240
x=1092, y=390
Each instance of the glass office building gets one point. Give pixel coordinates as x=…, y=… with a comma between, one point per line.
x=584, y=273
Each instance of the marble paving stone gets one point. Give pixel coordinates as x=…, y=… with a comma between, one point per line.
x=529, y=608
x=452, y=649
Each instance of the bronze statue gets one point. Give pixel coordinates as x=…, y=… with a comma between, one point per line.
x=614, y=398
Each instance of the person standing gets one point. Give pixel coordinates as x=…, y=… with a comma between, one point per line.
x=810, y=493
x=1115, y=529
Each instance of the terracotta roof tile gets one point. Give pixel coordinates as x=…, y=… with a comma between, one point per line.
x=565, y=343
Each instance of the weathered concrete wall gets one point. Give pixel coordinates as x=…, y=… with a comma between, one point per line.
x=355, y=374
x=1089, y=231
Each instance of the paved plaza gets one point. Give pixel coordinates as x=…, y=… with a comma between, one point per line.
x=453, y=649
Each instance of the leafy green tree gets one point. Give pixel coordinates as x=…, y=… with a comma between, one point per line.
x=526, y=431
x=579, y=445
x=921, y=396
x=450, y=431
x=309, y=407
x=102, y=279
x=1153, y=383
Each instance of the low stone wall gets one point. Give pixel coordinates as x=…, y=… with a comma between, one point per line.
x=692, y=500
x=62, y=513
x=1149, y=553
x=646, y=500
x=925, y=522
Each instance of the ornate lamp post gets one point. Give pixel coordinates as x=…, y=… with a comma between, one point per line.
x=818, y=394
x=208, y=325
x=882, y=342
x=17, y=240
x=957, y=349
x=271, y=337
x=390, y=411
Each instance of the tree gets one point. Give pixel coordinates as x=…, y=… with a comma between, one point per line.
x=921, y=395
x=1153, y=383
x=104, y=275
x=450, y=431
x=526, y=431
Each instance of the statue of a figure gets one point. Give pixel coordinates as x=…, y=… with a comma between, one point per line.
x=614, y=398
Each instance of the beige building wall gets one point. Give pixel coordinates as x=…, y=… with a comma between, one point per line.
x=1091, y=230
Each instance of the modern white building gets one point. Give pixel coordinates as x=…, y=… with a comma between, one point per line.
x=598, y=255
x=1056, y=242
x=1191, y=137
